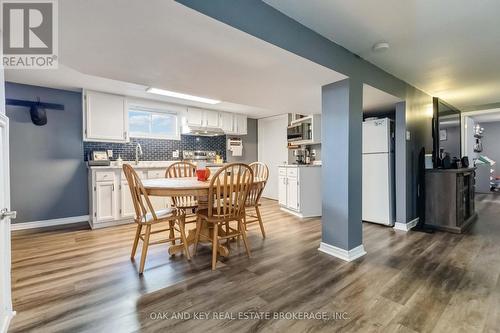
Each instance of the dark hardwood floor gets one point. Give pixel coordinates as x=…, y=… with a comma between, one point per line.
x=78, y=280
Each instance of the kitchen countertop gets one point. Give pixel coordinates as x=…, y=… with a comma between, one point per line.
x=146, y=165
x=298, y=165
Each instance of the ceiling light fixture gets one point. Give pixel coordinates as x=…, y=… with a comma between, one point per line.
x=380, y=47
x=181, y=96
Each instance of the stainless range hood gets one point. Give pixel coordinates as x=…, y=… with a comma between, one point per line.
x=201, y=131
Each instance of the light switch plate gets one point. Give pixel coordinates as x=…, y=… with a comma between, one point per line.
x=175, y=154
x=110, y=153
x=408, y=136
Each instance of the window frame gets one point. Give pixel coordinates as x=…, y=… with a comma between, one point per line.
x=152, y=111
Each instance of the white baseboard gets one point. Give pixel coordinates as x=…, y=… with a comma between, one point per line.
x=6, y=321
x=406, y=226
x=347, y=255
x=49, y=223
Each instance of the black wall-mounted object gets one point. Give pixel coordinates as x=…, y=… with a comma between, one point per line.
x=444, y=117
x=38, y=111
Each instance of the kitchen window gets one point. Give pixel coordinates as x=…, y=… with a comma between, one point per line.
x=153, y=123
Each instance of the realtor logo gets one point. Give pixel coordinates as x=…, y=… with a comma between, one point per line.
x=29, y=31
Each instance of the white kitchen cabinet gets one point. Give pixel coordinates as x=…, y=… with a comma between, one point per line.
x=211, y=119
x=299, y=190
x=226, y=121
x=194, y=117
x=110, y=199
x=240, y=124
x=105, y=201
x=127, y=209
x=282, y=190
x=105, y=117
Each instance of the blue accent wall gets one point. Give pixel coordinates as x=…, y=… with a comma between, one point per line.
x=48, y=176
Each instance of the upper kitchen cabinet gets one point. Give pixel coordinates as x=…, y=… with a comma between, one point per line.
x=194, y=117
x=202, y=118
x=104, y=117
x=240, y=124
x=226, y=121
x=233, y=123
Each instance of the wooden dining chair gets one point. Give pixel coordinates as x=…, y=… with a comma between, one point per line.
x=227, y=194
x=260, y=173
x=146, y=217
x=186, y=203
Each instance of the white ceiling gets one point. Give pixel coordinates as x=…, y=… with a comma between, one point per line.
x=448, y=48
x=125, y=46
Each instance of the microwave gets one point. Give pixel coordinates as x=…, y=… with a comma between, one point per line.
x=299, y=132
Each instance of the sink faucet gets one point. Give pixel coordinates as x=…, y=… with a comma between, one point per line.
x=138, y=152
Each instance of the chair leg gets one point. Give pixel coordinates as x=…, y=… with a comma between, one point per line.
x=245, y=218
x=136, y=241
x=197, y=234
x=145, y=245
x=183, y=236
x=214, y=245
x=244, y=236
x=259, y=217
x=171, y=231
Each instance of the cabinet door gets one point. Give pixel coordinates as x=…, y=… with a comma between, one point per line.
x=105, y=201
x=282, y=190
x=211, y=119
x=194, y=117
x=105, y=117
x=226, y=122
x=293, y=194
x=127, y=206
x=240, y=124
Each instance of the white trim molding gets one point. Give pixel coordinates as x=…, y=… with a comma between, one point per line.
x=6, y=321
x=346, y=255
x=406, y=226
x=49, y=223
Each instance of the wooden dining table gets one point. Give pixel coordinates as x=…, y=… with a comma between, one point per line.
x=187, y=186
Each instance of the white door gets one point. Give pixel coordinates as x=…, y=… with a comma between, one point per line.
x=106, y=117
x=6, y=312
x=293, y=193
x=194, y=117
x=376, y=136
x=127, y=206
x=272, y=150
x=240, y=124
x=106, y=205
x=282, y=189
x=376, y=190
x=226, y=122
x=211, y=119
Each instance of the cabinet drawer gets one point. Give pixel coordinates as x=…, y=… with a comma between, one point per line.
x=282, y=171
x=141, y=174
x=156, y=174
x=292, y=172
x=104, y=176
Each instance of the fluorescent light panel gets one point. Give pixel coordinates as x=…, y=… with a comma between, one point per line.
x=181, y=96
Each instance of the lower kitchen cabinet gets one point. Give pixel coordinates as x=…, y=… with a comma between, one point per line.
x=299, y=190
x=110, y=199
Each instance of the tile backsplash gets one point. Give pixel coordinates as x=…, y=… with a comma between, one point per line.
x=159, y=149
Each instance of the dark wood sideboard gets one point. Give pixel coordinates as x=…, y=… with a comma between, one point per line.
x=449, y=199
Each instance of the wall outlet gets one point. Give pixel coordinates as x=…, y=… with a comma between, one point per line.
x=110, y=153
x=175, y=154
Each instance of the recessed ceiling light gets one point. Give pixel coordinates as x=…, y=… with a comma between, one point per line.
x=182, y=96
x=380, y=47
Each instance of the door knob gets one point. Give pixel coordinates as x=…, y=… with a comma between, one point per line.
x=6, y=213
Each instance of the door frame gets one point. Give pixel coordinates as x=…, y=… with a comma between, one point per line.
x=5, y=289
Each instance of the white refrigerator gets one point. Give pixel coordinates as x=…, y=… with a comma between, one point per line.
x=378, y=171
